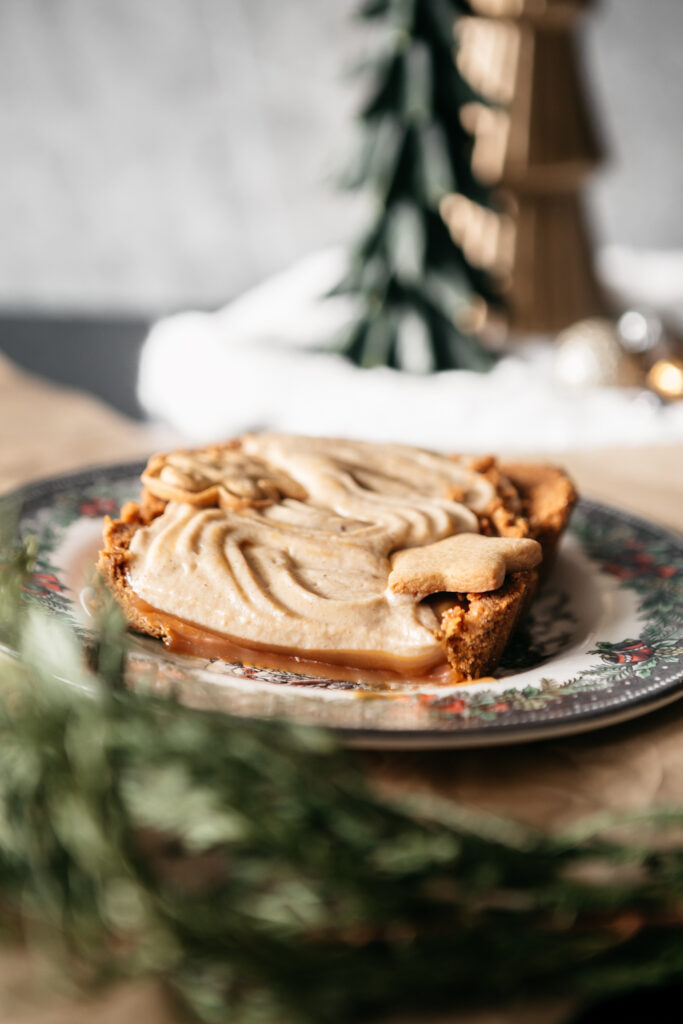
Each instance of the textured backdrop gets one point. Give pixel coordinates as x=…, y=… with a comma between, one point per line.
x=160, y=153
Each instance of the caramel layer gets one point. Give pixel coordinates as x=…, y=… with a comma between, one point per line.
x=185, y=637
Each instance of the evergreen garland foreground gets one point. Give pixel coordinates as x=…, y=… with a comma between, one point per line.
x=251, y=866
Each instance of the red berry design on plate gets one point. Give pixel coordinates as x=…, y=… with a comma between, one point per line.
x=96, y=507
x=48, y=581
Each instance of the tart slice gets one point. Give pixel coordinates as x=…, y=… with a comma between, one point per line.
x=335, y=557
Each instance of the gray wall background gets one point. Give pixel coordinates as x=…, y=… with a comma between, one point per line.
x=156, y=154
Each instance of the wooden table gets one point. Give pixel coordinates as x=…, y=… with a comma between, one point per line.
x=46, y=430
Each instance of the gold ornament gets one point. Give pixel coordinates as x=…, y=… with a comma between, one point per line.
x=666, y=378
x=589, y=354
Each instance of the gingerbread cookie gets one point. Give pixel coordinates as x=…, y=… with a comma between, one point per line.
x=466, y=563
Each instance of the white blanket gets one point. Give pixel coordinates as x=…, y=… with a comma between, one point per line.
x=249, y=365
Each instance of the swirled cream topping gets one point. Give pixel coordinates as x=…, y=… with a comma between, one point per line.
x=306, y=574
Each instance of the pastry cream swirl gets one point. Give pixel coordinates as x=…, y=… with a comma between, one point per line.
x=311, y=576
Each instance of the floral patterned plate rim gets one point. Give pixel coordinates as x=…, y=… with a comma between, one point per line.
x=604, y=641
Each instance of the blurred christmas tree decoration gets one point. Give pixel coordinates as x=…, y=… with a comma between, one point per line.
x=536, y=143
x=478, y=141
x=414, y=283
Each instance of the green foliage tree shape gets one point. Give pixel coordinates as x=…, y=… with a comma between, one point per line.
x=409, y=276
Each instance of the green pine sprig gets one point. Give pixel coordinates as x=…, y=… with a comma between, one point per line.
x=251, y=865
x=410, y=279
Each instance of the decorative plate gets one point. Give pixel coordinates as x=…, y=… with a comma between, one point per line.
x=604, y=641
